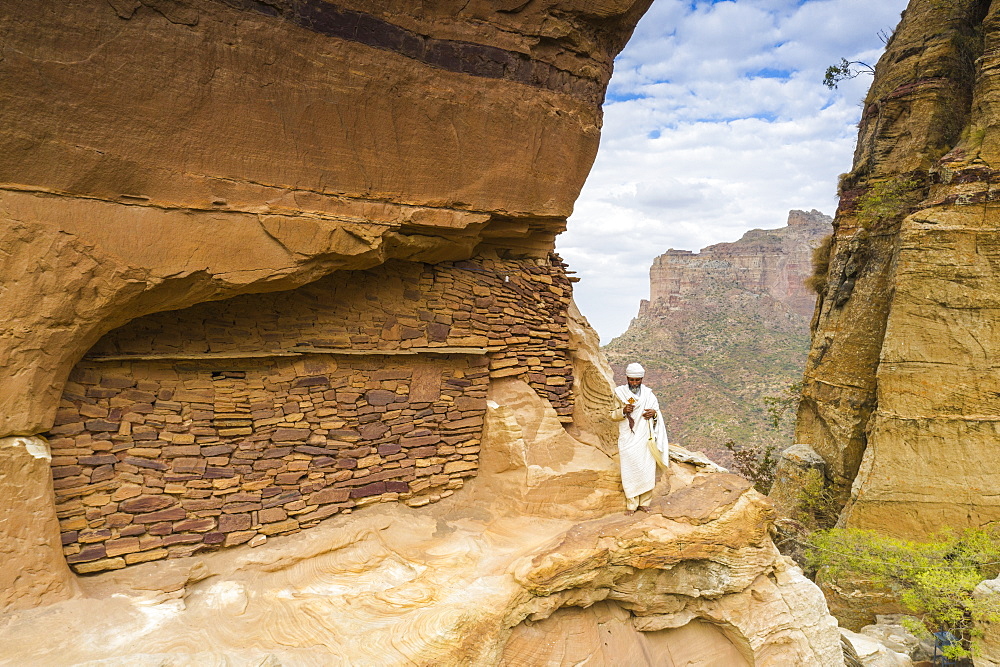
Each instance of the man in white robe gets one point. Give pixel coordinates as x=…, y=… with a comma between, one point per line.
x=642, y=439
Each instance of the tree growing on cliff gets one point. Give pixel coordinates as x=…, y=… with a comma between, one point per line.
x=844, y=70
x=756, y=463
x=933, y=579
x=783, y=405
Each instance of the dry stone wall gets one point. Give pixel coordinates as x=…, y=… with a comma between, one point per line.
x=161, y=154
x=264, y=414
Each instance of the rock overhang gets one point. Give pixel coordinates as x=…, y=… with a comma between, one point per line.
x=161, y=154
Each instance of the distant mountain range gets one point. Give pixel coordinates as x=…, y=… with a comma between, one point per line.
x=724, y=328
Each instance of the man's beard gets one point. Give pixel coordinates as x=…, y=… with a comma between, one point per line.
x=635, y=389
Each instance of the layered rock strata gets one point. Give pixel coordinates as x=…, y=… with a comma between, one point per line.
x=361, y=136
x=772, y=262
x=525, y=565
x=901, y=381
x=158, y=155
x=724, y=328
x=270, y=263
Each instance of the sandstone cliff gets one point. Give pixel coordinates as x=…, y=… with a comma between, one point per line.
x=532, y=563
x=291, y=361
x=724, y=328
x=900, y=388
x=161, y=154
x=772, y=262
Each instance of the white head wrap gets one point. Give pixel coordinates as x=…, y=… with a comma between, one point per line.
x=634, y=370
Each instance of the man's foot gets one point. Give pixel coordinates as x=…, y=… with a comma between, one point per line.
x=643, y=508
x=629, y=512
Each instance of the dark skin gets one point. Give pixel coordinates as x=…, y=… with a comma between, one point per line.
x=633, y=384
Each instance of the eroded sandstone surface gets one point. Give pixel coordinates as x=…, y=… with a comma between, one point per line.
x=901, y=384
x=292, y=373
x=508, y=570
x=163, y=154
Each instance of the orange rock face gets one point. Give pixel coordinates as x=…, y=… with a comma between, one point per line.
x=159, y=155
x=395, y=174
x=900, y=387
x=162, y=154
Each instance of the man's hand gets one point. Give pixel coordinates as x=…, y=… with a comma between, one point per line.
x=629, y=407
x=649, y=413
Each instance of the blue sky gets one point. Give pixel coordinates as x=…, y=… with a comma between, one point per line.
x=716, y=122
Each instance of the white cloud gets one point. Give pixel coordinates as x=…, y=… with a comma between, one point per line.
x=717, y=122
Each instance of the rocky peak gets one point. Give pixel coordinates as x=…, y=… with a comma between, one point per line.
x=724, y=328
x=764, y=261
x=807, y=218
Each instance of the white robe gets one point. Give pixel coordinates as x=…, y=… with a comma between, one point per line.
x=643, y=447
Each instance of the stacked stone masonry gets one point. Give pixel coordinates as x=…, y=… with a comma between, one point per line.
x=264, y=414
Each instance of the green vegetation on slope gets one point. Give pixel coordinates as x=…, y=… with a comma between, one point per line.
x=933, y=579
x=713, y=363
